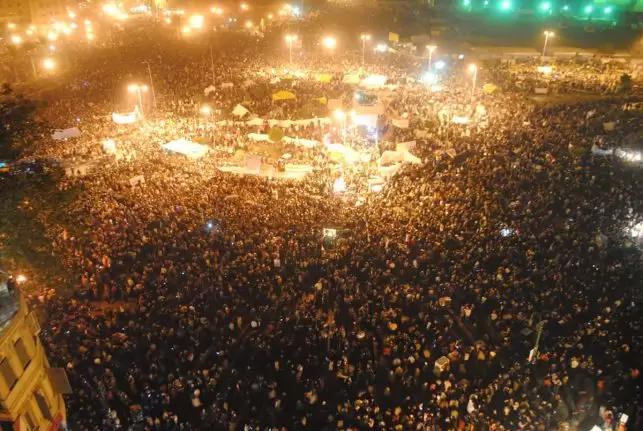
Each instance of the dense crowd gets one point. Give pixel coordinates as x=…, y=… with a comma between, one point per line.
x=209, y=301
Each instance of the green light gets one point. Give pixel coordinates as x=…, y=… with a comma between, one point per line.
x=565, y=7
x=607, y=10
x=588, y=9
x=545, y=6
x=506, y=4
x=467, y=2
x=486, y=2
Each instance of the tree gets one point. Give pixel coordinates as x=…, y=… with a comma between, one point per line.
x=625, y=84
x=17, y=126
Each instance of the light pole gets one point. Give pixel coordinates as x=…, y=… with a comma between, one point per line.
x=342, y=116
x=135, y=88
x=149, y=71
x=473, y=69
x=206, y=111
x=547, y=34
x=290, y=38
x=431, y=48
x=364, y=37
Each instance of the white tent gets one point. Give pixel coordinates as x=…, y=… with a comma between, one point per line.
x=187, y=148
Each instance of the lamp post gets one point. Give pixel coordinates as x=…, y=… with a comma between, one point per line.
x=149, y=71
x=473, y=69
x=135, y=88
x=431, y=48
x=290, y=38
x=342, y=116
x=206, y=111
x=547, y=34
x=364, y=37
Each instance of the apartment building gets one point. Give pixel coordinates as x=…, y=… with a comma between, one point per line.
x=31, y=392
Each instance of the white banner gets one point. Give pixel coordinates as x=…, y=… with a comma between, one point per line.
x=127, y=118
x=541, y=90
x=401, y=124
x=60, y=134
x=109, y=146
x=374, y=81
x=351, y=78
x=239, y=111
x=139, y=179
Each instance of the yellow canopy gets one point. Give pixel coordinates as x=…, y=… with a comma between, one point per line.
x=283, y=95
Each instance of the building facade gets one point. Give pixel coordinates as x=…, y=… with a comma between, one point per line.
x=34, y=11
x=31, y=392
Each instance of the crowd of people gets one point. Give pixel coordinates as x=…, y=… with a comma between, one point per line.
x=203, y=300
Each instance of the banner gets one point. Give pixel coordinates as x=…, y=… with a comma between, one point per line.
x=393, y=37
x=60, y=134
x=255, y=122
x=405, y=146
x=609, y=127
x=401, y=124
x=134, y=181
x=239, y=111
x=258, y=137
x=283, y=95
x=541, y=90
x=227, y=85
x=374, y=81
x=109, y=146
x=325, y=78
x=351, y=78
x=128, y=118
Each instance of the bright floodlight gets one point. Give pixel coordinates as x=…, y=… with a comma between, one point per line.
x=244, y=6
x=505, y=5
x=565, y=8
x=11, y=26
x=365, y=37
x=588, y=9
x=21, y=278
x=339, y=115
x=549, y=33
x=608, y=9
x=439, y=65
x=430, y=78
x=329, y=42
x=90, y=36
x=248, y=24
x=187, y=29
x=206, y=110
x=196, y=21
x=132, y=88
x=546, y=6
x=381, y=47
x=473, y=68
x=15, y=39
x=110, y=9
x=49, y=64
x=291, y=37
x=144, y=88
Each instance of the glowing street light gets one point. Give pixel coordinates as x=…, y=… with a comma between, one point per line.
x=588, y=9
x=290, y=38
x=11, y=26
x=474, y=70
x=21, y=279
x=52, y=36
x=110, y=9
x=49, y=64
x=249, y=24
x=505, y=5
x=547, y=34
x=135, y=88
x=431, y=49
x=607, y=10
x=244, y=6
x=16, y=40
x=90, y=36
x=196, y=21
x=364, y=38
x=187, y=29
x=546, y=6
x=206, y=110
x=329, y=42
